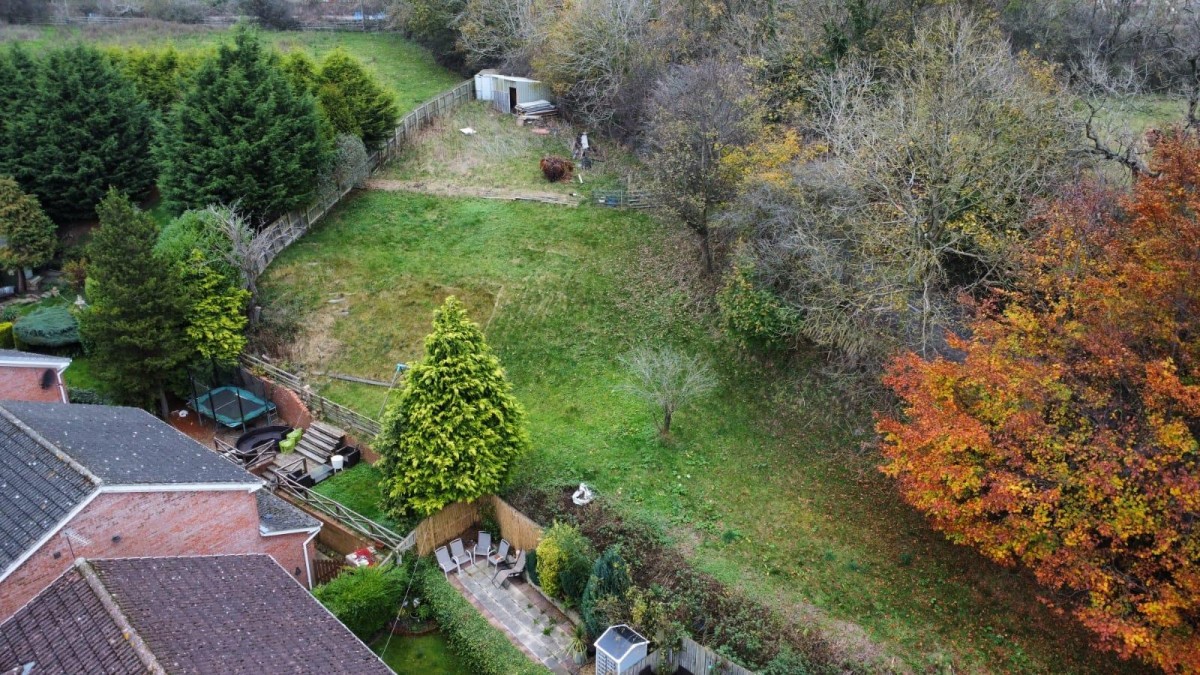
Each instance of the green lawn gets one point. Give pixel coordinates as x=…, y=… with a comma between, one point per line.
x=763, y=484
x=424, y=655
x=405, y=68
x=358, y=489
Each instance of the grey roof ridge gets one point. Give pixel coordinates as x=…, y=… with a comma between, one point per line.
x=106, y=599
x=41, y=440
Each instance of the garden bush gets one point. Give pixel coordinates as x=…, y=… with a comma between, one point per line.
x=48, y=327
x=609, y=579
x=754, y=315
x=86, y=396
x=469, y=634
x=365, y=598
x=564, y=562
x=6, y=336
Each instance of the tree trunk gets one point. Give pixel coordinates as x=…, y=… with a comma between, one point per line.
x=164, y=408
x=666, y=423
x=22, y=285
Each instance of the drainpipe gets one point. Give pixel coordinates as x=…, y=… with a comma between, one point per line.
x=307, y=561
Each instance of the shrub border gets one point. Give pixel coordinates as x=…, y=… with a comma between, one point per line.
x=470, y=635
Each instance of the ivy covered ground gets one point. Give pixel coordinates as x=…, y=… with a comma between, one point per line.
x=765, y=483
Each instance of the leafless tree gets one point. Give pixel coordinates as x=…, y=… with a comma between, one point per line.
x=667, y=380
x=930, y=176
x=697, y=114
x=602, y=57
x=245, y=247
x=503, y=32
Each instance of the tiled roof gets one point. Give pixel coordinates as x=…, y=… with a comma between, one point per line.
x=37, y=490
x=231, y=614
x=66, y=630
x=127, y=446
x=276, y=515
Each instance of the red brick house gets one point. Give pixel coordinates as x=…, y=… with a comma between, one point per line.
x=84, y=481
x=25, y=376
x=199, y=614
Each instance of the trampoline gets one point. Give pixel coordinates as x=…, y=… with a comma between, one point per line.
x=231, y=406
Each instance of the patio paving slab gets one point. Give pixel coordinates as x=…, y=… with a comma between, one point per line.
x=538, y=629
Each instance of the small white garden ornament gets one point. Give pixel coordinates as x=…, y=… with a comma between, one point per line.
x=583, y=495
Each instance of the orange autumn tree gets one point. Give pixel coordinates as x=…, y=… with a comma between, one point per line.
x=1063, y=436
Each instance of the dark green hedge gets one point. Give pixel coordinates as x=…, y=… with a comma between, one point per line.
x=470, y=635
x=365, y=598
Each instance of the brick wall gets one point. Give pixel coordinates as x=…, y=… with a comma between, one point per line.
x=25, y=384
x=153, y=524
x=288, y=405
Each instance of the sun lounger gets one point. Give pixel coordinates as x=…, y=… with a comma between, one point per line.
x=500, y=556
x=445, y=561
x=483, y=547
x=516, y=570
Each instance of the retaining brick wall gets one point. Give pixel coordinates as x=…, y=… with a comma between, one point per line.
x=153, y=524
x=288, y=405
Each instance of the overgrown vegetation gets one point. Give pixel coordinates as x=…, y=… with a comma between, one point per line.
x=365, y=598
x=1041, y=445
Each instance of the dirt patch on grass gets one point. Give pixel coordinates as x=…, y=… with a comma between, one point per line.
x=444, y=189
x=366, y=334
x=316, y=344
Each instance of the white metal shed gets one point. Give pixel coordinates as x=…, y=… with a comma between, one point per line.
x=507, y=91
x=619, y=649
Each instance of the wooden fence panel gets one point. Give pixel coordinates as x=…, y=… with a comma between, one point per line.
x=325, y=571
x=520, y=531
x=445, y=525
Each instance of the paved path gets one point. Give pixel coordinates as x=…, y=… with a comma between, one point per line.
x=450, y=190
x=530, y=622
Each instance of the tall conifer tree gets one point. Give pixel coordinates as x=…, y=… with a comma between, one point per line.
x=82, y=129
x=241, y=134
x=135, y=326
x=353, y=101
x=29, y=235
x=456, y=427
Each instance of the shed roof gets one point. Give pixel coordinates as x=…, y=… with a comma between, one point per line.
x=276, y=516
x=618, y=640
x=206, y=614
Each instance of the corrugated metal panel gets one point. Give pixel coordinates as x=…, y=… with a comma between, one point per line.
x=485, y=87
x=494, y=87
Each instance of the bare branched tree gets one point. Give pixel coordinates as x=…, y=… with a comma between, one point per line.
x=923, y=194
x=246, y=248
x=502, y=32
x=602, y=57
x=698, y=113
x=667, y=380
